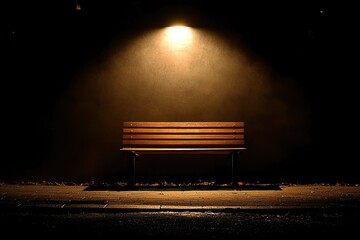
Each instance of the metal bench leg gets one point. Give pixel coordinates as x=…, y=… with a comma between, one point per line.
x=234, y=167
x=132, y=160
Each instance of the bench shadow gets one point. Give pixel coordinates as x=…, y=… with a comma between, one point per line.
x=182, y=188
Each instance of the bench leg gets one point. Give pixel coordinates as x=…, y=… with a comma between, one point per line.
x=234, y=167
x=132, y=161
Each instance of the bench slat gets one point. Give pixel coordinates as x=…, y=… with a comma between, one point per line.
x=183, y=142
x=184, y=124
x=183, y=149
x=183, y=130
x=220, y=151
x=183, y=136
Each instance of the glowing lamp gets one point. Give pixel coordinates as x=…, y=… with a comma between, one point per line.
x=178, y=37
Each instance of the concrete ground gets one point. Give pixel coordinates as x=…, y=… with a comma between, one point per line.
x=287, y=197
x=291, y=211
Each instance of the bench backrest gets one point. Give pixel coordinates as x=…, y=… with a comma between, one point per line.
x=183, y=134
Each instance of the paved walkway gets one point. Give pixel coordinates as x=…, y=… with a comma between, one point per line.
x=288, y=197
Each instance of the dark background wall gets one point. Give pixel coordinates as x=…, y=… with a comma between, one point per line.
x=72, y=77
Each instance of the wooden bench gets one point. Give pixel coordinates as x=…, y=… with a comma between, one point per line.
x=183, y=138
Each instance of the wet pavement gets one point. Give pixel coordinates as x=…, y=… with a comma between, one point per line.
x=183, y=224
x=291, y=211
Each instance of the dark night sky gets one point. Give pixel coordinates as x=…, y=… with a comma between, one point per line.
x=46, y=43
